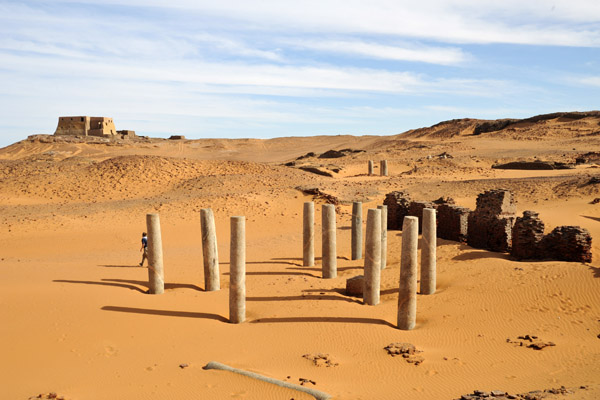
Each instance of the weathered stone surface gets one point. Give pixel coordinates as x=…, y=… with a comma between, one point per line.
x=398, y=204
x=568, y=243
x=453, y=222
x=355, y=286
x=415, y=209
x=490, y=225
x=527, y=236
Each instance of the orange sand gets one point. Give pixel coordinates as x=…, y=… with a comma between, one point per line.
x=76, y=320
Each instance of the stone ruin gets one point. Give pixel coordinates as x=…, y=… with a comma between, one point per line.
x=398, y=204
x=453, y=222
x=494, y=226
x=490, y=225
x=527, y=236
x=564, y=243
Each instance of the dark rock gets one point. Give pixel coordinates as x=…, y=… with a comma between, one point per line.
x=527, y=235
x=533, y=165
x=398, y=204
x=316, y=170
x=332, y=154
x=452, y=222
x=307, y=155
x=177, y=137
x=498, y=393
x=490, y=225
x=493, y=126
x=182, y=366
x=568, y=243
x=595, y=201
x=355, y=286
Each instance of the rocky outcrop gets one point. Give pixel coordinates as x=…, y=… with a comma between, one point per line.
x=490, y=225
x=533, y=165
x=527, y=236
x=398, y=204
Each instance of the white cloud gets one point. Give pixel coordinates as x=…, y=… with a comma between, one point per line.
x=590, y=80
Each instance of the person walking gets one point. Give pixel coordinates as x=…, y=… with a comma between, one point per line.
x=144, y=248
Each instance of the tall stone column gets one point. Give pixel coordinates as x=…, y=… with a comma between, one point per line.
x=156, y=276
x=237, y=271
x=407, y=294
x=383, y=170
x=372, y=258
x=428, y=252
x=328, y=242
x=356, y=230
x=308, y=234
x=384, y=220
x=371, y=167
x=209, y=250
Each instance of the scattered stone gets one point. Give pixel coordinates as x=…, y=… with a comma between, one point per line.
x=303, y=381
x=594, y=180
x=330, y=199
x=177, y=137
x=182, y=366
x=321, y=360
x=531, y=342
x=406, y=350
x=595, y=201
x=307, y=155
x=332, y=154
x=498, y=393
x=355, y=286
x=46, y=396
x=444, y=155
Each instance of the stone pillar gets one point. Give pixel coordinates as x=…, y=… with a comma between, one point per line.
x=384, y=221
x=156, y=275
x=308, y=234
x=428, y=252
x=383, y=170
x=372, y=258
x=210, y=252
x=356, y=230
x=371, y=167
x=328, y=242
x=237, y=282
x=407, y=294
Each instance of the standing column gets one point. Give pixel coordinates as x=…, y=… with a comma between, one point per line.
x=428, y=252
x=370, y=167
x=308, y=234
x=407, y=294
x=209, y=250
x=156, y=275
x=356, y=230
x=383, y=168
x=328, y=242
x=384, y=217
x=237, y=271
x=372, y=258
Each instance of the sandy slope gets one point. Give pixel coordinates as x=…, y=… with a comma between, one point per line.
x=76, y=320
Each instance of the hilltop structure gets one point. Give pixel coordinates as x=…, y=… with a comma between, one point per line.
x=89, y=126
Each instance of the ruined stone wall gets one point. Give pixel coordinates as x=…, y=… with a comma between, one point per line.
x=527, y=236
x=568, y=243
x=415, y=209
x=398, y=204
x=490, y=225
x=453, y=222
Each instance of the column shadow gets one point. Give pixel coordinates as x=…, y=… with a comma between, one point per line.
x=167, y=284
x=121, y=266
x=306, y=297
x=271, y=273
x=344, y=320
x=115, y=284
x=166, y=313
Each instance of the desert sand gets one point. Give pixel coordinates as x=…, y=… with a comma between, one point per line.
x=76, y=320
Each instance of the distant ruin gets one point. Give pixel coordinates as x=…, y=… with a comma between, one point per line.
x=494, y=226
x=90, y=126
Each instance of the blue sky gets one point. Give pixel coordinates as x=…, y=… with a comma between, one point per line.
x=274, y=68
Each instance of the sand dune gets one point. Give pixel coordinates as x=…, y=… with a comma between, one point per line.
x=77, y=320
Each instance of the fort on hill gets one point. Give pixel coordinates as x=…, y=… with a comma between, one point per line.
x=89, y=126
